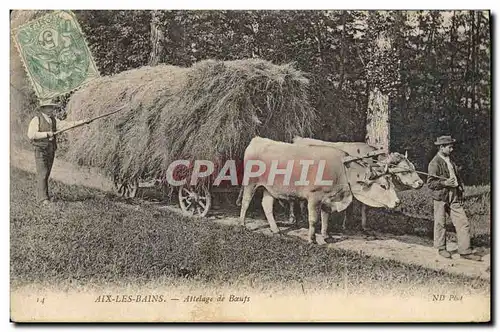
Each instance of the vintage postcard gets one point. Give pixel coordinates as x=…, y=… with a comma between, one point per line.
x=250, y=166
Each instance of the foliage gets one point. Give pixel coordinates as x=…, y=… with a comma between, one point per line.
x=118, y=39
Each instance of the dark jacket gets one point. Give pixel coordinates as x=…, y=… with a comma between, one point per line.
x=438, y=167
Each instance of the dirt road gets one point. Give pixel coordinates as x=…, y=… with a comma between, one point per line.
x=62, y=171
x=378, y=245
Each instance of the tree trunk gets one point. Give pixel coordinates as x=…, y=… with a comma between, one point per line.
x=318, y=27
x=157, y=39
x=477, y=41
x=377, y=120
x=342, y=51
x=450, y=87
x=474, y=56
x=467, y=70
x=377, y=115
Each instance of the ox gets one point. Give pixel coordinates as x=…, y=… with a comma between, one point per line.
x=333, y=193
x=400, y=167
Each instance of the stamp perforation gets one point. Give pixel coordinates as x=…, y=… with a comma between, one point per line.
x=36, y=86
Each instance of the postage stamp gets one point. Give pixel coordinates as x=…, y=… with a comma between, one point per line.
x=55, y=54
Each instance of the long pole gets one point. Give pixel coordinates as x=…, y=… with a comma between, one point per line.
x=90, y=120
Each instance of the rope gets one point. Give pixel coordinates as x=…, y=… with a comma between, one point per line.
x=406, y=169
x=419, y=172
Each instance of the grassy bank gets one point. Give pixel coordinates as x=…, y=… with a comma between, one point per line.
x=415, y=215
x=88, y=237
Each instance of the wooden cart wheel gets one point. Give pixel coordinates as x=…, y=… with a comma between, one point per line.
x=126, y=189
x=195, y=201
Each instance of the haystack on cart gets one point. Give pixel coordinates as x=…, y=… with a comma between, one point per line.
x=209, y=111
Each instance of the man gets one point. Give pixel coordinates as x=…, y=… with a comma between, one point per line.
x=41, y=134
x=448, y=195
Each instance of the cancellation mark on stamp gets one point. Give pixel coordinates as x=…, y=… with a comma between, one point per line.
x=55, y=54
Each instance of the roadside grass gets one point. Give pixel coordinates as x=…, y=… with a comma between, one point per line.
x=89, y=237
x=415, y=216
x=419, y=202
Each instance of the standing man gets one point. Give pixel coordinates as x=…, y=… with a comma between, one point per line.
x=41, y=134
x=448, y=196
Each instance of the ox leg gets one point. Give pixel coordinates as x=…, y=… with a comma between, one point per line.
x=303, y=209
x=324, y=224
x=240, y=196
x=344, y=220
x=313, y=216
x=267, y=205
x=292, y=218
x=363, y=217
x=247, y=195
x=348, y=215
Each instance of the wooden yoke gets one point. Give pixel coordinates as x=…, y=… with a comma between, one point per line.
x=375, y=153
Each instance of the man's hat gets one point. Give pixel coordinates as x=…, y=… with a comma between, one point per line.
x=444, y=140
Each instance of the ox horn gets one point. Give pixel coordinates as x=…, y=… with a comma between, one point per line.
x=406, y=154
x=366, y=182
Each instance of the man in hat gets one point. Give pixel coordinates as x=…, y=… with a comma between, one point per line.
x=448, y=195
x=41, y=134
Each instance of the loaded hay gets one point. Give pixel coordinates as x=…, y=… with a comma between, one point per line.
x=209, y=111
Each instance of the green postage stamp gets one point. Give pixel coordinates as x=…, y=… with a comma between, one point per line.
x=55, y=55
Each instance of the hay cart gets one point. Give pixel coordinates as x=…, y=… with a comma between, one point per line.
x=194, y=200
x=198, y=200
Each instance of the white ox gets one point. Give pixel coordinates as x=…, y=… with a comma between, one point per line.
x=403, y=171
x=334, y=194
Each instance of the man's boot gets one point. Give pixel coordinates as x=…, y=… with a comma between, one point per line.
x=444, y=253
x=472, y=257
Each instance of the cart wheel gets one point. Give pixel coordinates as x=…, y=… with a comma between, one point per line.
x=126, y=189
x=195, y=201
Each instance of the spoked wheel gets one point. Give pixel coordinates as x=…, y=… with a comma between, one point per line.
x=195, y=201
x=126, y=189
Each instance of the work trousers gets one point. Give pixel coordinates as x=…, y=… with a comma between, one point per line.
x=454, y=209
x=44, y=158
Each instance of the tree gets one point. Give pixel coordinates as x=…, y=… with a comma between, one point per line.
x=157, y=39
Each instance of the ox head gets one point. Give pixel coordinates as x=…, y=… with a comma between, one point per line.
x=372, y=185
x=403, y=171
x=378, y=192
